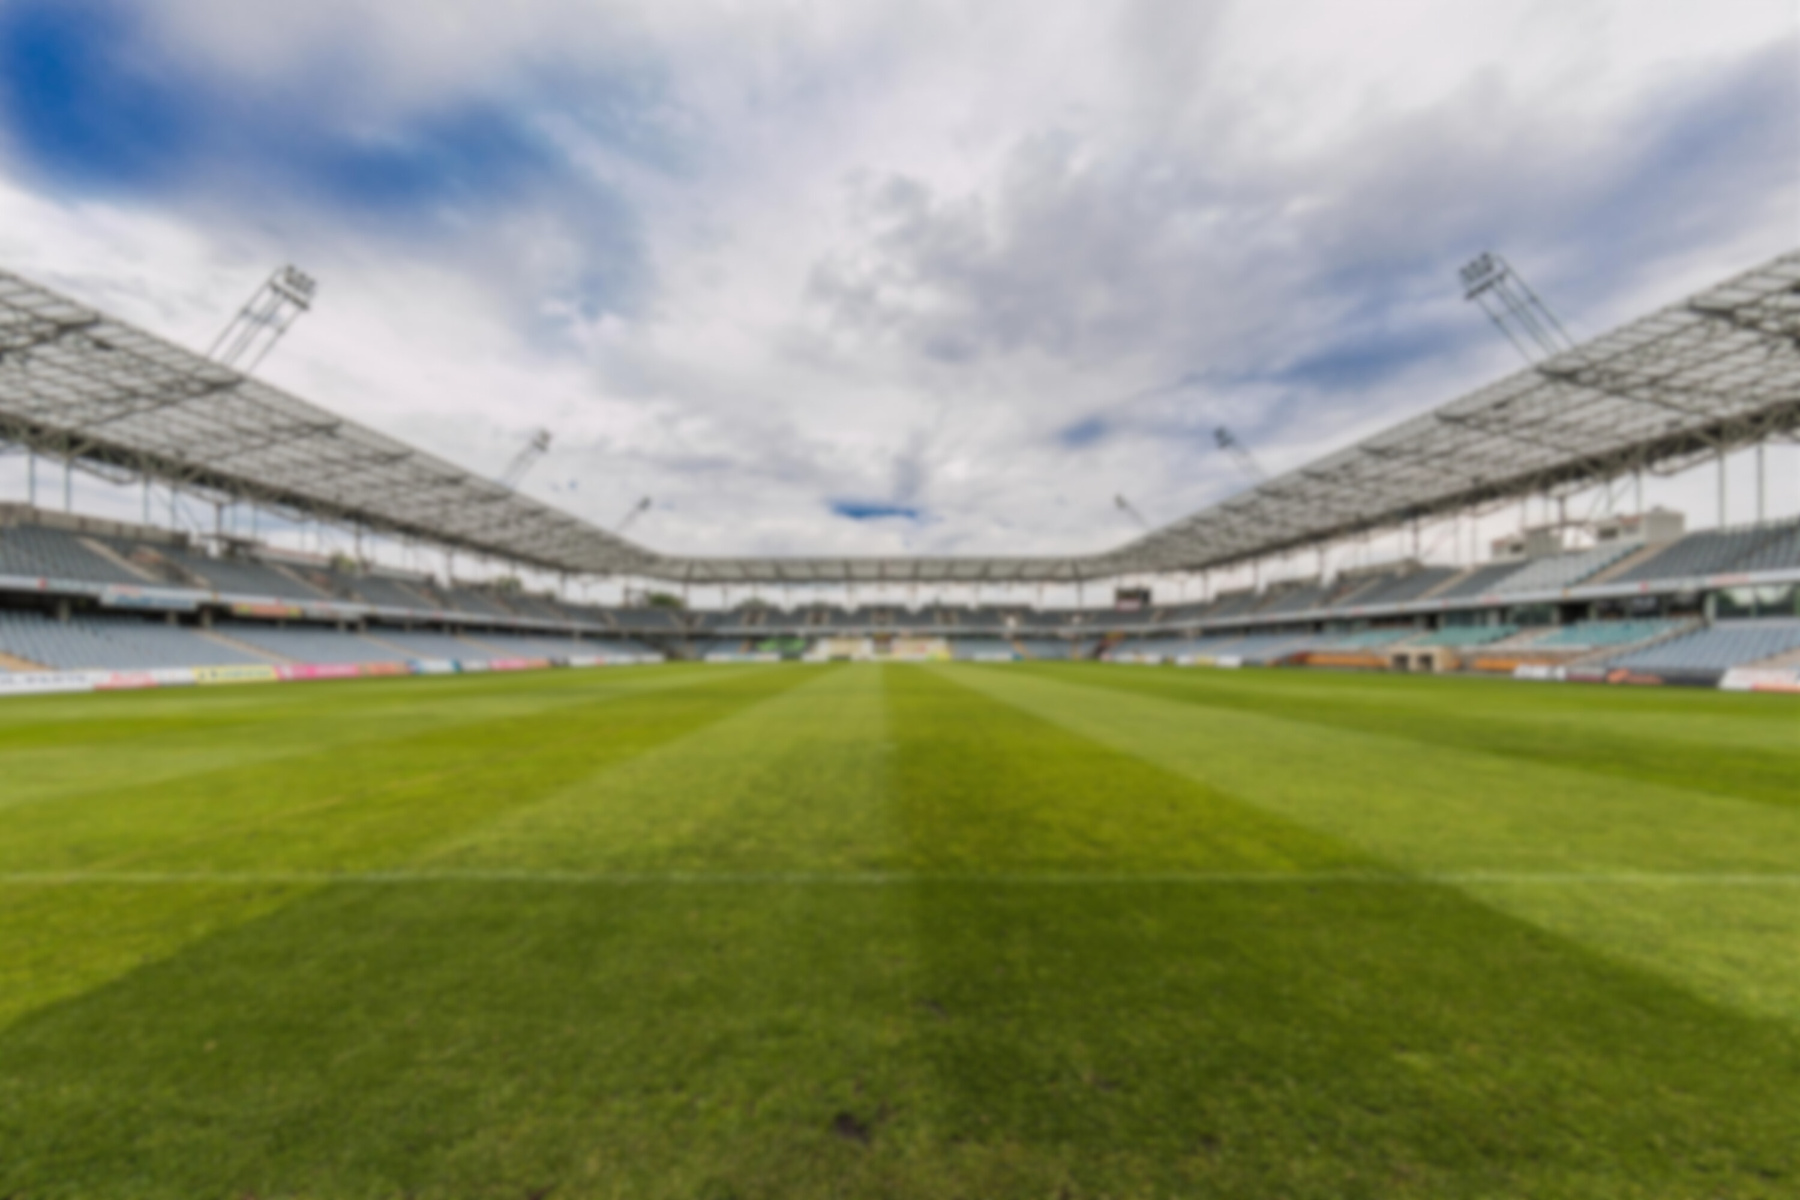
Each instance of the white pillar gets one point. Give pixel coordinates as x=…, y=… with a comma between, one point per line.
x=1762, y=496
x=1721, y=488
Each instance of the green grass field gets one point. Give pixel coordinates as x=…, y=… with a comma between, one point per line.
x=1039, y=930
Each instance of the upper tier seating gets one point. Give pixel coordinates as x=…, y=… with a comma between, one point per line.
x=1232, y=604
x=1560, y=570
x=1397, y=589
x=242, y=576
x=646, y=620
x=909, y=618
x=1781, y=552
x=1478, y=582
x=1295, y=599
x=1705, y=553
x=1185, y=614
x=308, y=644
x=112, y=643
x=469, y=600
x=1726, y=645
x=534, y=607
x=36, y=552
x=385, y=592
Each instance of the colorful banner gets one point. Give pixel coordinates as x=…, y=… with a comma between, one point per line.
x=248, y=673
x=517, y=664
x=39, y=683
x=1761, y=679
x=304, y=671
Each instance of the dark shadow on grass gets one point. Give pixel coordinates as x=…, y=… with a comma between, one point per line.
x=1329, y=1040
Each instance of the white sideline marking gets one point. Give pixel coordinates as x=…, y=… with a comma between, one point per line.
x=902, y=878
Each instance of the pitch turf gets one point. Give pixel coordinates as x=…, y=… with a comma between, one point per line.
x=983, y=931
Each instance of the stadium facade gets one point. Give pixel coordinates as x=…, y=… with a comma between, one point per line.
x=1641, y=598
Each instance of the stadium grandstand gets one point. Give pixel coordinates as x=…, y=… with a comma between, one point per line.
x=1633, y=595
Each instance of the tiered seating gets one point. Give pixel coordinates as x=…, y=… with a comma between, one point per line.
x=646, y=620
x=35, y=552
x=385, y=592
x=1232, y=604
x=974, y=618
x=1049, y=648
x=1705, y=553
x=1293, y=600
x=535, y=607
x=907, y=618
x=1398, y=589
x=241, y=576
x=1478, y=582
x=1467, y=635
x=1561, y=570
x=855, y=618
x=419, y=643
x=1781, y=552
x=303, y=644
x=1593, y=635
x=469, y=600
x=112, y=643
x=1726, y=645
x=521, y=645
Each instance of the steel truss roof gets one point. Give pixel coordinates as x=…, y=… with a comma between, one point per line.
x=1713, y=372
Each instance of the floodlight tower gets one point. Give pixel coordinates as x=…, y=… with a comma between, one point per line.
x=1513, y=307
x=1228, y=442
x=523, y=460
x=1125, y=506
x=637, y=510
x=267, y=315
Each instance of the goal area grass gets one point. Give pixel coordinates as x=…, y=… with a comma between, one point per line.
x=1012, y=930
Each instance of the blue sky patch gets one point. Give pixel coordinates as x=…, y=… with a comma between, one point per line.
x=865, y=510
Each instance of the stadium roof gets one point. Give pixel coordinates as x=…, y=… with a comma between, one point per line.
x=1717, y=370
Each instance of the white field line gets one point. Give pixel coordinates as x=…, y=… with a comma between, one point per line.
x=1356, y=878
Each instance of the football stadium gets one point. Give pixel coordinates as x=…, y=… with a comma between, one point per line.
x=376, y=826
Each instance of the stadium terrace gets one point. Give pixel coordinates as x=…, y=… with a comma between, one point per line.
x=1633, y=596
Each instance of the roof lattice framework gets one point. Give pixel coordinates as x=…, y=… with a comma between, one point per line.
x=1718, y=370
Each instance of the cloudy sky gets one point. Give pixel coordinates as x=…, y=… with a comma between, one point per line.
x=890, y=276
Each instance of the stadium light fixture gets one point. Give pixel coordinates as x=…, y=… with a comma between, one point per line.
x=1491, y=282
x=265, y=317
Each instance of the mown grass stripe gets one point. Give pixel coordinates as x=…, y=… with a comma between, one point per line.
x=911, y=878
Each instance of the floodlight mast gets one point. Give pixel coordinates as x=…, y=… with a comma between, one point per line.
x=1513, y=307
x=637, y=510
x=522, y=462
x=267, y=315
x=1125, y=506
x=1240, y=454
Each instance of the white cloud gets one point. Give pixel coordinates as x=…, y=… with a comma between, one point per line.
x=895, y=249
